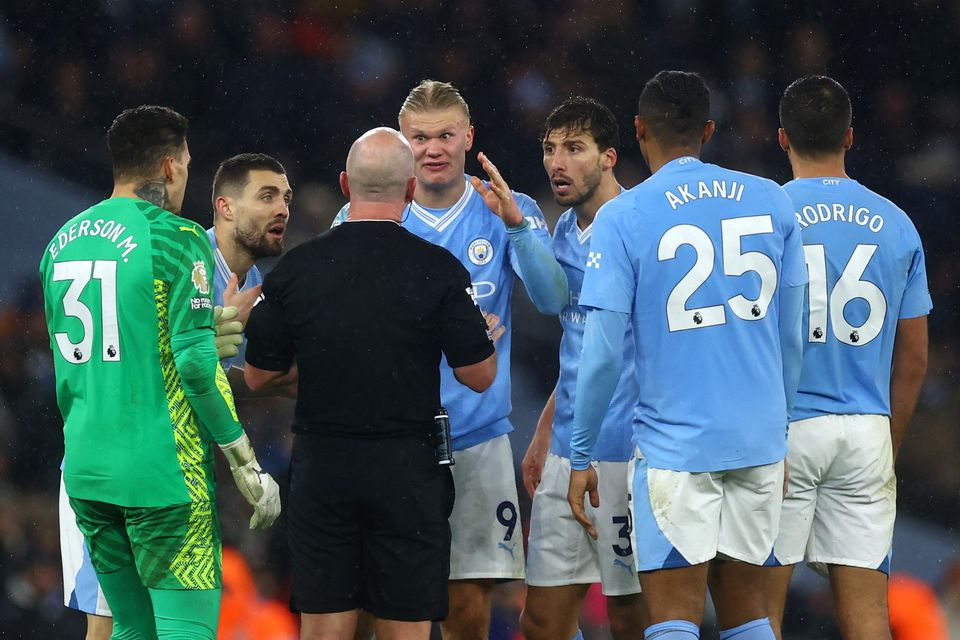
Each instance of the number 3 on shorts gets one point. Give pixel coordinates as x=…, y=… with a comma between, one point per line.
x=507, y=516
x=626, y=529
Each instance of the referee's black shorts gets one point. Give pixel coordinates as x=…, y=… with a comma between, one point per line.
x=368, y=527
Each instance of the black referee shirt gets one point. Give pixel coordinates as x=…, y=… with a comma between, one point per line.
x=366, y=309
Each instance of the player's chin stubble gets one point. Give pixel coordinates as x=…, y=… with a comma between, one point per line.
x=258, y=244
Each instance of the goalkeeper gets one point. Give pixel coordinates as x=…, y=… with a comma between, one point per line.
x=131, y=323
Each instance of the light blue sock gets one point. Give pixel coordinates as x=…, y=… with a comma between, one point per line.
x=758, y=629
x=579, y=635
x=672, y=630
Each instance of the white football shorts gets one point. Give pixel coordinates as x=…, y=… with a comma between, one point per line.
x=560, y=552
x=842, y=493
x=487, y=535
x=683, y=518
x=81, y=589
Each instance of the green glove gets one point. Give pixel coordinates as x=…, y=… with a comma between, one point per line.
x=229, y=331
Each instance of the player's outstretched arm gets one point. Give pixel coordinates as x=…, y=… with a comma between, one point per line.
x=542, y=275
x=536, y=456
x=596, y=380
x=909, y=370
x=206, y=387
x=596, y=384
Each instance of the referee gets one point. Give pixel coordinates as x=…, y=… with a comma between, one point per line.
x=365, y=310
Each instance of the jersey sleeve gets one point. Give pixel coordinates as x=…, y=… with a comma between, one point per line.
x=190, y=301
x=535, y=223
x=463, y=331
x=916, y=300
x=793, y=266
x=270, y=343
x=532, y=258
x=609, y=279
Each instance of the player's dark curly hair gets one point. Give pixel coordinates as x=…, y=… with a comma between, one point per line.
x=140, y=138
x=815, y=111
x=579, y=114
x=234, y=172
x=676, y=105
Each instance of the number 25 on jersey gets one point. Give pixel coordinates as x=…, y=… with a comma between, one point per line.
x=736, y=262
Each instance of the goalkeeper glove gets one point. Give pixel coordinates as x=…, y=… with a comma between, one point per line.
x=229, y=331
x=255, y=484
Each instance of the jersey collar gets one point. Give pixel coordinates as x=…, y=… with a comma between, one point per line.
x=446, y=217
x=223, y=269
x=680, y=163
x=583, y=237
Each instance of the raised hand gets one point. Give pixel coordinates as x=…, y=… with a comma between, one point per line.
x=497, y=196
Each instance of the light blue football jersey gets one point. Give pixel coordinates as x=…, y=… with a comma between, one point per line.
x=698, y=254
x=571, y=246
x=478, y=238
x=221, y=277
x=867, y=272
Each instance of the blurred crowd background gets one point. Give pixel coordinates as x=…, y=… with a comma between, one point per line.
x=300, y=80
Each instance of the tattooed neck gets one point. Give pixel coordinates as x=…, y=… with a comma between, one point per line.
x=155, y=192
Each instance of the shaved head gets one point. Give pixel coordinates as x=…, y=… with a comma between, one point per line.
x=379, y=166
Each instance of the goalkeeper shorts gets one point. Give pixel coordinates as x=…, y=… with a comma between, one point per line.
x=173, y=547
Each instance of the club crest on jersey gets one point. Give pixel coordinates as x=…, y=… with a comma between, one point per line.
x=199, y=277
x=480, y=251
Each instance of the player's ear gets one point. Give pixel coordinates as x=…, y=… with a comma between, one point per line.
x=344, y=185
x=222, y=207
x=469, y=137
x=640, y=127
x=168, y=173
x=608, y=158
x=848, y=139
x=783, y=139
x=708, y=130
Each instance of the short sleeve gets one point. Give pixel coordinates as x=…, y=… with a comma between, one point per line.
x=190, y=297
x=916, y=300
x=463, y=331
x=270, y=343
x=609, y=279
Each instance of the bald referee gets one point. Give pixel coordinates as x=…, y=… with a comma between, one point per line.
x=366, y=310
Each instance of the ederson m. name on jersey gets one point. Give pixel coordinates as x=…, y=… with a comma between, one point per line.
x=571, y=246
x=479, y=239
x=867, y=272
x=112, y=304
x=700, y=275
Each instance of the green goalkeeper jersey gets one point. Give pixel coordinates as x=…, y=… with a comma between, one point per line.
x=120, y=280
